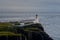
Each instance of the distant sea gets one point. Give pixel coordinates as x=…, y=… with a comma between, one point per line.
x=50, y=21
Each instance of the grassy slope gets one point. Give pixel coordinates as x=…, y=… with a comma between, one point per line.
x=5, y=24
x=9, y=34
x=4, y=29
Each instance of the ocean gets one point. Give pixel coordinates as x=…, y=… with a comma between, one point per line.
x=50, y=21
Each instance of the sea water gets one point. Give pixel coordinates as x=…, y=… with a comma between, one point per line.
x=50, y=21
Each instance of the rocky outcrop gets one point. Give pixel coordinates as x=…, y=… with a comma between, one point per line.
x=34, y=32
x=29, y=32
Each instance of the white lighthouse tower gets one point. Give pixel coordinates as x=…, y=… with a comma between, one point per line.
x=36, y=19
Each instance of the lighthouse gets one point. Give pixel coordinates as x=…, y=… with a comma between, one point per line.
x=36, y=19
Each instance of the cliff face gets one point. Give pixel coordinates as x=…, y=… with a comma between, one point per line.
x=28, y=32
x=34, y=32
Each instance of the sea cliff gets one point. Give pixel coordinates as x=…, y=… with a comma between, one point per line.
x=27, y=32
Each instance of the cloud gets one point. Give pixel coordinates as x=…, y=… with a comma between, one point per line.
x=30, y=5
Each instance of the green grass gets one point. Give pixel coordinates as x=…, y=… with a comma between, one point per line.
x=32, y=29
x=5, y=24
x=3, y=33
x=4, y=27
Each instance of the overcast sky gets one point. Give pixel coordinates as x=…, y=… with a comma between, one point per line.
x=30, y=5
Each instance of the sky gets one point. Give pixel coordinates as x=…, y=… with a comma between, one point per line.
x=29, y=5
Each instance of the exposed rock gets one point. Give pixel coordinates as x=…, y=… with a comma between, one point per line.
x=29, y=32
x=34, y=32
